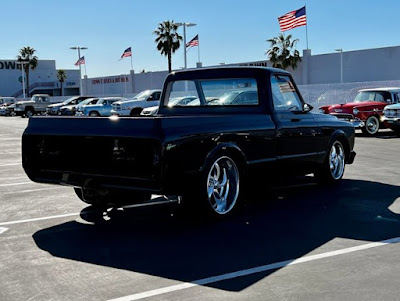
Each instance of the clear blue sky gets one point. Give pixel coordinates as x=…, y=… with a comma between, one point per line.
x=230, y=31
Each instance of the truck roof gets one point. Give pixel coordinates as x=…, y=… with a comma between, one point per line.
x=229, y=69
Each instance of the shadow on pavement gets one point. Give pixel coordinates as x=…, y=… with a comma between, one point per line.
x=383, y=134
x=284, y=224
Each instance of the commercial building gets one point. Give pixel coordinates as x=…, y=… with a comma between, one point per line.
x=359, y=66
x=43, y=79
x=316, y=75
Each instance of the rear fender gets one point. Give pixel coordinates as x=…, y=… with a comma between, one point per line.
x=230, y=149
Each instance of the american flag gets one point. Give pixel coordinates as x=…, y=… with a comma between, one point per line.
x=81, y=61
x=293, y=19
x=193, y=42
x=127, y=53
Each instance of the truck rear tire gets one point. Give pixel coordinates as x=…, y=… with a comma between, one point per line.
x=217, y=194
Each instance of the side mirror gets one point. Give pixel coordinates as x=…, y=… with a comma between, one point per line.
x=307, y=107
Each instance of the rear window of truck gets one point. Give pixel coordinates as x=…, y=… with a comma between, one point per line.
x=213, y=92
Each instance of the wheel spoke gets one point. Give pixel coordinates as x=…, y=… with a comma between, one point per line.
x=224, y=179
x=210, y=191
x=217, y=171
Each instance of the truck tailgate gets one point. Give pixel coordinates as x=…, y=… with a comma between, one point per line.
x=121, y=152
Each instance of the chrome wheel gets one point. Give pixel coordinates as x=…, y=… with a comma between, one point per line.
x=223, y=185
x=336, y=160
x=372, y=125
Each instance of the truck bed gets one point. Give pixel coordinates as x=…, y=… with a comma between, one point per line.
x=128, y=152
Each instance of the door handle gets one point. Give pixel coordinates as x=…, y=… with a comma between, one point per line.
x=295, y=120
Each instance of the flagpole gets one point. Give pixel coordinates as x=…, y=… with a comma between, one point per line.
x=306, y=26
x=131, y=63
x=198, y=47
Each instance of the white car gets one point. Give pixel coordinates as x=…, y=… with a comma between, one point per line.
x=134, y=106
x=5, y=103
x=391, y=117
x=178, y=101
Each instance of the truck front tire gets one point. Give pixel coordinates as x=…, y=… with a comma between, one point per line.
x=332, y=169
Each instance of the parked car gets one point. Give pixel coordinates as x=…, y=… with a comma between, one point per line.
x=178, y=101
x=207, y=155
x=366, y=111
x=134, y=106
x=391, y=117
x=54, y=109
x=5, y=103
x=101, y=108
x=237, y=97
x=9, y=110
x=71, y=109
x=36, y=105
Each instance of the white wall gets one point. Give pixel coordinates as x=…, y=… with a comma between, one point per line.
x=380, y=64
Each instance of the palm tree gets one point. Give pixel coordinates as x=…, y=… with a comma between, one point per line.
x=168, y=40
x=26, y=55
x=61, y=76
x=282, y=53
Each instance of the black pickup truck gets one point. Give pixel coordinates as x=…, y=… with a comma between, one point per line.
x=243, y=122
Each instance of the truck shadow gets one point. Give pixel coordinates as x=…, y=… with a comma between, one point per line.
x=285, y=224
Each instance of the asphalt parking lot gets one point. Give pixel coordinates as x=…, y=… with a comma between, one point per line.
x=293, y=243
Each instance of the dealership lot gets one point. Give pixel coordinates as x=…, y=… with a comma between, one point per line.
x=301, y=242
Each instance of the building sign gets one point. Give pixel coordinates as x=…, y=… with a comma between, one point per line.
x=258, y=64
x=110, y=80
x=9, y=65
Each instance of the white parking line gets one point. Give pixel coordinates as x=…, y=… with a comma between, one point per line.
x=38, y=219
x=32, y=190
x=255, y=270
x=11, y=164
x=2, y=230
x=14, y=184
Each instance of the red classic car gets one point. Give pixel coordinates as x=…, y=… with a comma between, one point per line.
x=366, y=111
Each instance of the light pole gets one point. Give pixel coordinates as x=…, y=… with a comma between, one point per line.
x=341, y=63
x=80, y=68
x=184, y=24
x=23, y=77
